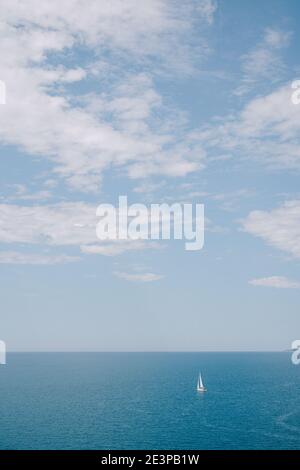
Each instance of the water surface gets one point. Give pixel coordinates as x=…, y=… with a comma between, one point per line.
x=149, y=401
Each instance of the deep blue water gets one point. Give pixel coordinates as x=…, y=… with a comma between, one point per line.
x=148, y=401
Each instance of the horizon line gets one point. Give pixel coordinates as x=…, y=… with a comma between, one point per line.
x=151, y=352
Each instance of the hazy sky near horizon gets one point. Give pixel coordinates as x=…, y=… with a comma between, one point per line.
x=162, y=101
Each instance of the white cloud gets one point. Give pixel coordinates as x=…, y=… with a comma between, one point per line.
x=69, y=223
x=117, y=247
x=21, y=193
x=278, y=282
x=41, y=115
x=117, y=25
x=14, y=257
x=279, y=227
x=63, y=224
x=138, y=277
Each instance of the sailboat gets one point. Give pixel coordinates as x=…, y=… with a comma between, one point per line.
x=200, y=386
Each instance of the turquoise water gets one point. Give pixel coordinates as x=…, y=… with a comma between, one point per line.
x=148, y=401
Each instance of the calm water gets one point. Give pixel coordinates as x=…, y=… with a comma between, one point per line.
x=148, y=401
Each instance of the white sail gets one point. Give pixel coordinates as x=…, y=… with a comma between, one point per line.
x=200, y=381
x=200, y=386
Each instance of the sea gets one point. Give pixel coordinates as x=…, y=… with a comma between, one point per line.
x=149, y=401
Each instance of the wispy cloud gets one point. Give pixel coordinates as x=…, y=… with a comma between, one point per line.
x=148, y=187
x=138, y=277
x=266, y=131
x=14, y=257
x=231, y=201
x=118, y=247
x=21, y=193
x=264, y=61
x=278, y=282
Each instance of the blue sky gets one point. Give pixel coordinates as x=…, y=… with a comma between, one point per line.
x=163, y=101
